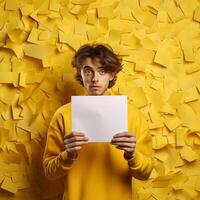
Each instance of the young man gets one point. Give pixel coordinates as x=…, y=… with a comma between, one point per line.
x=100, y=171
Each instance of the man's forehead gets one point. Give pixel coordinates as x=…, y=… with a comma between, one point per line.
x=92, y=63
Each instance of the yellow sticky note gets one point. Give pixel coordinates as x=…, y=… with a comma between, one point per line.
x=5, y=67
x=6, y=77
x=125, y=12
x=160, y=142
x=163, y=55
x=16, y=48
x=17, y=36
x=125, y=25
x=4, y=136
x=11, y=5
x=188, y=154
x=175, y=13
x=161, y=154
x=196, y=16
x=161, y=182
x=69, y=39
x=76, y=9
x=140, y=66
x=175, y=99
x=197, y=185
x=44, y=35
x=82, y=1
x=91, y=16
x=11, y=147
x=162, y=16
x=8, y=185
x=23, y=135
x=191, y=68
x=154, y=115
x=139, y=98
x=155, y=98
x=167, y=109
x=138, y=14
x=148, y=43
x=34, y=16
x=189, y=54
x=3, y=36
x=190, y=94
x=129, y=40
x=54, y=15
x=128, y=67
x=188, y=116
x=180, y=134
x=79, y=28
x=107, y=11
x=54, y=5
x=33, y=37
x=155, y=125
x=16, y=112
x=22, y=149
x=27, y=9
x=22, y=181
x=149, y=19
x=157, y=85
x=114, y=35
x=94, y=33
x=35, y=51
x=22, y=79
x=171, y=139
x=172, y=122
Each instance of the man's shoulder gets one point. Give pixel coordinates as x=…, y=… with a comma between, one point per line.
x=133, y=109
x=65, y=108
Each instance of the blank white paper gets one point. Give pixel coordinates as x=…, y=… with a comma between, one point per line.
x=99, y=117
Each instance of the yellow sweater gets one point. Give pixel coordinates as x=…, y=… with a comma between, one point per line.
x=100, y=172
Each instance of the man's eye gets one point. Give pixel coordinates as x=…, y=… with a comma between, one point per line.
x=102, y=71
x=87, y=72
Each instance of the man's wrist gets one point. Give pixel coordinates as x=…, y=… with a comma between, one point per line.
x=72, y=155
x=67, y=157
x=128, y=155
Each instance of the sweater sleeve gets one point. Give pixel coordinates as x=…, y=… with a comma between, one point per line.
x=141, y=164
x=55, y=159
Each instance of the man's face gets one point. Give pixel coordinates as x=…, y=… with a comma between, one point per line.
x=95, y=78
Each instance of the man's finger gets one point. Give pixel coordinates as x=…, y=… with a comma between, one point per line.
x=122, y=134
x=129, y=145
x=72, y=134
x=75, y=138
x=123, y=139
x=74, y=149
x=75, y=144
x=125, y=148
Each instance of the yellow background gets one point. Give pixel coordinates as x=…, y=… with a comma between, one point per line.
x=159, y=42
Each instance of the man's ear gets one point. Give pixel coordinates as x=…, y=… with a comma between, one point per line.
x=112, y=76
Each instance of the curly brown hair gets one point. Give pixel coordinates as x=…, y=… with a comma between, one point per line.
x=109, y=60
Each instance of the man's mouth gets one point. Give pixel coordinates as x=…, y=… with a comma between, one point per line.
x=95, y=86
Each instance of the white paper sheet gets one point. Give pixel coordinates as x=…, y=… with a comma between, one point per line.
x=99, y=117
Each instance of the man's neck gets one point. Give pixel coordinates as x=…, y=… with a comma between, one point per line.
x=107, y=93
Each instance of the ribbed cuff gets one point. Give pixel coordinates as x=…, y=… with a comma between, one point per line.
x=135, y=161
x=66, y=158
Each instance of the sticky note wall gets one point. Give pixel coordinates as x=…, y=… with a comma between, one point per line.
x=159, y=42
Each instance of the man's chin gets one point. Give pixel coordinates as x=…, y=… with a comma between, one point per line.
x=95, y=93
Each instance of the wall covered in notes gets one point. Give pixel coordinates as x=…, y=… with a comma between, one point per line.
x=159, y=41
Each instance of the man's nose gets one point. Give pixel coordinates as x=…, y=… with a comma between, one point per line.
x=95, y=77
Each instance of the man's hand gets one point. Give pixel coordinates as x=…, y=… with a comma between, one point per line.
x=125, y=141
x=73, y=143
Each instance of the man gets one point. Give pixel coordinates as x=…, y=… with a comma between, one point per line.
x=100, y=171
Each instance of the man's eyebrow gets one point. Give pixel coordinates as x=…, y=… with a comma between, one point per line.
x=87, y=66
x=101, y=67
